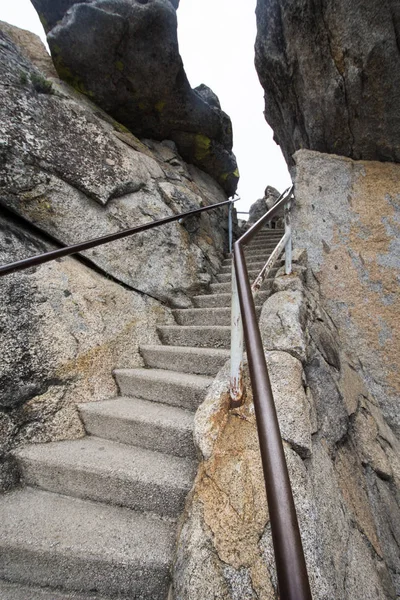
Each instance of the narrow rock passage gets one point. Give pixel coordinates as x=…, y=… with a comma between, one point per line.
x=98, y=515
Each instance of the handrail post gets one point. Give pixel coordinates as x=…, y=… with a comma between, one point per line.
x=230, y=226
x=236, y=383
x=288, y=233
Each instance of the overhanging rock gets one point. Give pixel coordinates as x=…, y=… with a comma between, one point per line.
x=124, y=55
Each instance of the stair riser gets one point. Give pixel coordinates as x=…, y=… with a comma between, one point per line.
x=213, y=300
x=251, y=263
x=110, y=489
x=11, y=591
x=259, y=252
x=225, y=288
x=197, y=364
x=167, y=393
x=210, y=300
x=146, y=435
x=199, y=338
x=225, y=277
x=253, y=255
x=203, y=317
x=268, y=237
x=80, y=573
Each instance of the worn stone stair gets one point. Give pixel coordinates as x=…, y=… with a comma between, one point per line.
x=96, y=518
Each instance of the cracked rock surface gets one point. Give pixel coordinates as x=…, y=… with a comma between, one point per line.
x=69, y=173
x=76, y=174
x=331, y=74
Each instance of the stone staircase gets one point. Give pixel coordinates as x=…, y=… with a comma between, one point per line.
x=96, y=518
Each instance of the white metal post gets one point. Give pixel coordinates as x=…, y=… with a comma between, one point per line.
x=230, y=227
x=288, y=232
x=236, y=386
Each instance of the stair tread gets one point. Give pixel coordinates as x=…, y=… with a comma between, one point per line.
x=136, y=409
x=137, y=422
x=184, y=379
x=185, y=359
x=45, y=536
x=15, y=591
x=122, y=461
x=212, y=352
x=221, y=309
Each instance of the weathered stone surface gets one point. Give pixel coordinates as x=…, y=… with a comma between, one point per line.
x=33, y=48
x=67, y=168
x=130, y=66
x=385, y=506
x=331, y=75
x=354, y=489
x=282, y=323
x=260, y=207
x=362, y=575
x=64, y=328
x=348, y=515
x=292, y=405
x=331, y=412
x=347, y=217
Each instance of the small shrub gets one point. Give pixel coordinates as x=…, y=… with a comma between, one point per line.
x=23, y=78
x=41, y=84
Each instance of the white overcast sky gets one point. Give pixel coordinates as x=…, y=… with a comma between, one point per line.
x=216, y=40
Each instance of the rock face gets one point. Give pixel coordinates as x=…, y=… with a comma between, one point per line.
x=64, y=328
x=347, y=217
x=70, y=172
x=343, y=461
x=260, y=207
x=124, y=55
x=76, y=174
x=331, y=75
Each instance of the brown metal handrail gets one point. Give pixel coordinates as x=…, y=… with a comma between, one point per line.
x=67, y=251
x=289, y=556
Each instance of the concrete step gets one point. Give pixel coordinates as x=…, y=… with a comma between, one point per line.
x=137, y=422
x=104, y=471
x=203, y=316
x=257, y=255
x=224, y=288
x=254, y=263
x=259, y=246
x=251, y=264
x=269, y=236
x=199, y=361
x=207, y=316
x=252, y=254
x=210, y=300
x=216, y=336
x=167, y=387
x=15, y=591
x=60, y=542
x=253, y=273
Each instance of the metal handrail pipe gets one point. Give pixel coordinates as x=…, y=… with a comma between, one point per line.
x=289, y=556
x=280, y=203
x=291, y=567
x=74, y=249
x=270, y=263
